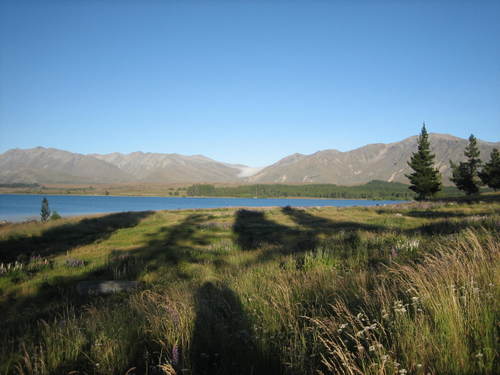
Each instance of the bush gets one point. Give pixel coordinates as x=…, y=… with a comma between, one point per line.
x=55, y=216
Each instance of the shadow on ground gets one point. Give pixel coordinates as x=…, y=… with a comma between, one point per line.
x=65, y=237
x=222, y=340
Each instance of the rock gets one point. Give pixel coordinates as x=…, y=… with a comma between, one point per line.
x=105, y=287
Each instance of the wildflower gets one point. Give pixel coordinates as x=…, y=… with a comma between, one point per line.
x=371, y=348
x=403, y=371
x=175, y=355
x=419, y=365
x=479, y=355
x=342, y=326
x=414, y=299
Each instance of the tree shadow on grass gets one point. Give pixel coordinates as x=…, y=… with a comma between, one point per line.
x=62, y=238
x=168, y=247
x=442, y=214
x=53, y=242
x=443, y=227
x=319, y=225
x=253, y=230
x=223, y=341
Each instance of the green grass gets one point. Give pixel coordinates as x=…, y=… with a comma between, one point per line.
x=379, y=290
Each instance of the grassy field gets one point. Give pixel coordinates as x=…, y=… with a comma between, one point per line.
x=408, y=289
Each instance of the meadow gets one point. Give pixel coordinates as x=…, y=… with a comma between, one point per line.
x=405, y=289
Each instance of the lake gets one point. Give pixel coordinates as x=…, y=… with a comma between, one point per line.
x=20, y=207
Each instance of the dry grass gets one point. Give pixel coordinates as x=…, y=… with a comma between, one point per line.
x=349, y=291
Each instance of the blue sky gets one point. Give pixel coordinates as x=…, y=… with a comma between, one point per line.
x=245, y=81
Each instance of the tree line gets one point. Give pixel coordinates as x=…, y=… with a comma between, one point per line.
x=467, y=176
x=370, y=190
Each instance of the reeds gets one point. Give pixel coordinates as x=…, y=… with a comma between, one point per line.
x=437, y=317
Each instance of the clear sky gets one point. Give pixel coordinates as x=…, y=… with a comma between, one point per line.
x=245, y=81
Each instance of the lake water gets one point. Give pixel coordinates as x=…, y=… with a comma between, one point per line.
x=17, y=207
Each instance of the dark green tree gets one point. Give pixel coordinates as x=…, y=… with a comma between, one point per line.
x=465, y=174
x=425, y=179
x=490, y=174
x=45, y=210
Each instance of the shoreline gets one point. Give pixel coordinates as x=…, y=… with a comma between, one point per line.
x=35, y=217
x=197, y=197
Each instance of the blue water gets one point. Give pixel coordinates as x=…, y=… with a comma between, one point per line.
x=17, y=207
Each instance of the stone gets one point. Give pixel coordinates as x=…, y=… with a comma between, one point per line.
x=105, y=287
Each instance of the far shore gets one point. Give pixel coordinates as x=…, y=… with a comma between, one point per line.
x=191, y=196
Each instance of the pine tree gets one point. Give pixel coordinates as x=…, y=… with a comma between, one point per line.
x=490, y=174
x=465, y=174
x=45, y=210
x=425, y=180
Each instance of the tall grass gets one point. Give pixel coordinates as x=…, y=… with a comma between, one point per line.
x=361, y=300
x=437, y=317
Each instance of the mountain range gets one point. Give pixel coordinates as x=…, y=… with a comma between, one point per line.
x=387, y=162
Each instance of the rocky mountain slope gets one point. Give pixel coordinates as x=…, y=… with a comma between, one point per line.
x=154, y=167
x=387, y=162
x=49, y=165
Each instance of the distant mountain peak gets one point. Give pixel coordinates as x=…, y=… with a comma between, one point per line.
x=377, y=161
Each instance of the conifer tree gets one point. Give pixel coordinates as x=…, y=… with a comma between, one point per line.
x=465, y=174
x=45, y=210
x=490, y=174
x=425, y=180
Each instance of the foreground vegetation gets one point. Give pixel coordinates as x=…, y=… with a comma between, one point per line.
x=409, y=289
